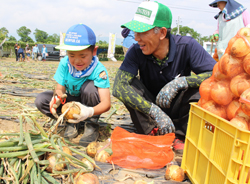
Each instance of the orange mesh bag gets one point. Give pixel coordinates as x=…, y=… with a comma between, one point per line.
x=220, y=93
x=131, y=150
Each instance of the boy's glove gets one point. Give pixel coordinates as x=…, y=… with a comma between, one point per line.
x=214, y=38
x=169, y=91
x=55, y=102
x=164, y=123
x=85, y=113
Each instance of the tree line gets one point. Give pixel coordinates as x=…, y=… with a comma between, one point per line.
x=24, y=32
x=43, y=37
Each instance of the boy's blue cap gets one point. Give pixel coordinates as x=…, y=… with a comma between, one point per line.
x=78, y=37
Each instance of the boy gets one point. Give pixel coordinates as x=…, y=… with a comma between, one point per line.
x=80, y=77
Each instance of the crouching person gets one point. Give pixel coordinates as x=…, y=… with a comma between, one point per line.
x=158, y=101
x=81, y=78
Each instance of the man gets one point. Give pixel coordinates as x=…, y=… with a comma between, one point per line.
x=35, y=51
x=158, y=100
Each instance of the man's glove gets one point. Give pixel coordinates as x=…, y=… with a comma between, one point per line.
x=55, y=102
x=169, y=91
x=214, y=38
x=164, y=123
x=85, y=113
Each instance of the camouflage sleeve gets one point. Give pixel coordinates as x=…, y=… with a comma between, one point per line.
x=194, y=81
x=124, y=92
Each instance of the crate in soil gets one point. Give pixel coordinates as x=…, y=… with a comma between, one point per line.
x=215, y=152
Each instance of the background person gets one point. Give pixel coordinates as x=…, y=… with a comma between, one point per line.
x=82, y=78
x=20, y=52
x=129, y=39
x=28, y=54
x=16, y=48
x=44, y=53
x=231, y=18
x=35, y=52
x=158, y=102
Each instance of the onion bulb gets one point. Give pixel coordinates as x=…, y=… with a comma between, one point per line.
x=174, y=172
x=73, y=110
x=87, y=178
x=92, y=149
x=102, y=156
x=90, y=166
x=67, y=150
x=52, y=157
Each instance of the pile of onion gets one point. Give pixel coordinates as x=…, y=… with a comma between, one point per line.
x=174, y=172
x=98, y=152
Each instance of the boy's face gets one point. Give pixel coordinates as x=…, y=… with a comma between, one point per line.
x=81, y=59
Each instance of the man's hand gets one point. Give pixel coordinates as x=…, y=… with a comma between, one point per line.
x=85, y=113
x=214, y=38
x=169, y=91
x=164, y=123
x=55, y=102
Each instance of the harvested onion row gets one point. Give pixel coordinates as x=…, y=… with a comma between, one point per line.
x=21, y=153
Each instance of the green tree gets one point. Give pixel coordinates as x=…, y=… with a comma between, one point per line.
x=185, y=30
x=24, y=32
x=3, y=33
x=40, y=35
x=12, y=38
x=55, y=38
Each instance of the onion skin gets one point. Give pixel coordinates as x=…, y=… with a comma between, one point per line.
x=174, y=172
x=87, y=178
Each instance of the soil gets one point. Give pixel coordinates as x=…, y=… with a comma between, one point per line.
x=20, y=80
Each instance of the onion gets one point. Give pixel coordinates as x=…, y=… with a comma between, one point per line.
x=67, y=150
x=89, y=165
x=174, y=172
x=87, y=178
x=73, y=110
x=92, y=149
x=102, y=156
x=52, y=157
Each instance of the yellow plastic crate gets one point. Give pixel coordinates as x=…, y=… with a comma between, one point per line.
x=215, y=150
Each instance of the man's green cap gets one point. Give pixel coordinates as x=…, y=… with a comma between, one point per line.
x=149, y=15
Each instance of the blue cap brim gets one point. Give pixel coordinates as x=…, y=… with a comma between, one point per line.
x=72, y=48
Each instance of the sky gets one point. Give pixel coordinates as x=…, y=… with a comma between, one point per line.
x=102, y=16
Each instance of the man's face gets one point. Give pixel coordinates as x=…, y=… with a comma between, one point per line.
x=148, y=41
x=81, y=59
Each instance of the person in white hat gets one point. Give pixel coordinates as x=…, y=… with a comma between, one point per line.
x=158, y=99
x=231, y=18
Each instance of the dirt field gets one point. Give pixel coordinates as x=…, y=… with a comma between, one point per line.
x=20, y=82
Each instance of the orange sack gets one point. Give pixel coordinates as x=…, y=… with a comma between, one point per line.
x=131, y=150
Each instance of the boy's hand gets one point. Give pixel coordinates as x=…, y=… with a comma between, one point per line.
x=85, y=113
x=164, y=123
x=55, y=102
